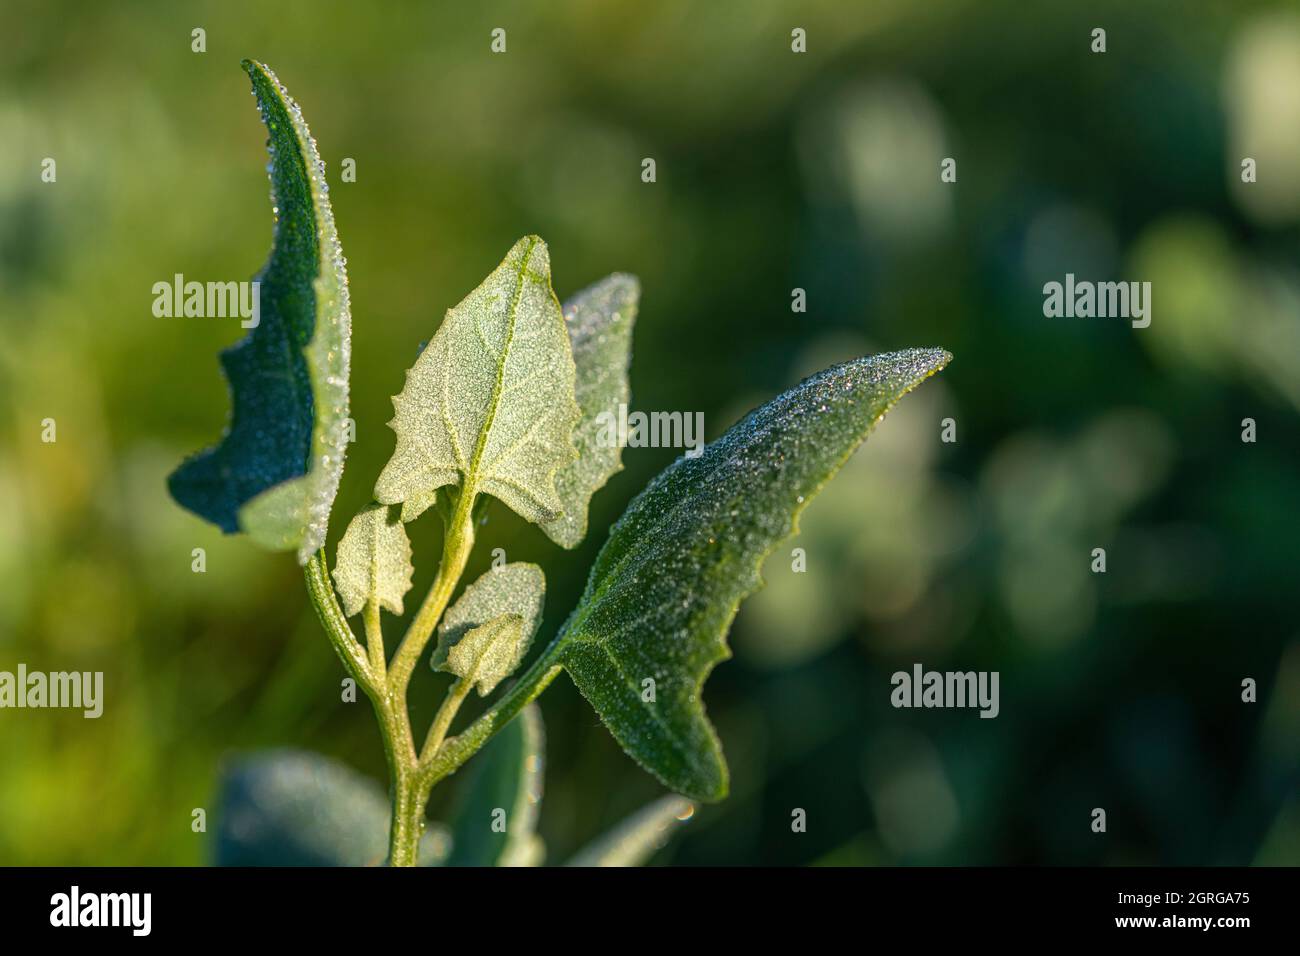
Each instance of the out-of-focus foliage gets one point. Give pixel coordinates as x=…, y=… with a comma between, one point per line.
x=775, y=171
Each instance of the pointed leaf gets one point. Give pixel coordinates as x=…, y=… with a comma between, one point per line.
x=296, y=808
x=599, y=320
x=275, y=472
x=374, y=562
x=664, y=589
x=638, y=837
x=489, y=403
x=506, y=775
x=516, y=588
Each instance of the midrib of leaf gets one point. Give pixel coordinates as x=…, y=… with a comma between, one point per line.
x=374, y=565
x=470, y=490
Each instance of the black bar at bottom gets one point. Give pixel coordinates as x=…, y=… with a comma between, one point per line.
x=338, y=906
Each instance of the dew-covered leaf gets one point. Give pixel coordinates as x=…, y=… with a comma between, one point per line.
x=503, y=788
x=419, y=503
x=517, y=588
x=636, y=839
x=488, y=405
x=374, y=562
x=662, y=593
x=275, y=472
x=296, y=808
x=484, y=655
x=599, y=320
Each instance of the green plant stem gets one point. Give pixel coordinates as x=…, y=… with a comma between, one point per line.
x=442, y=721
x=409, y=795
x=454, y=751
x=457, y=544
x=408, y=818
x=414, y=776
x=334, y=622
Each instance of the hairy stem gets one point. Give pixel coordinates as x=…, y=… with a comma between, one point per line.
x=414, y=776
x=447, y=758
x=334, y=622
x=457, y=544
x=408, y=818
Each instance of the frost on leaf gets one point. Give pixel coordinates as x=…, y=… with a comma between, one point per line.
x=489, y=404
x=374, y=562
x=484, y=655
x=513, y=589
x=276, y=470
x=599, y=320
x=665, y=587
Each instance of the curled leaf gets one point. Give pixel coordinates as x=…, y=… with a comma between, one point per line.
x=517, y=588
x=484, y=655
x=276, y=471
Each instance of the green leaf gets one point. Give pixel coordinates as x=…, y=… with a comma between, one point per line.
x=419, y=503
x=637, y=838
x=664, y=589
x=295, y=808
x=489, y=405
x=485, y=655
x=506, y=776
x=275, y=472
x=517, y=588
x=599, y=320
x=374, y=562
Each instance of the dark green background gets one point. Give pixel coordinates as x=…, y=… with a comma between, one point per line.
x=775, y=171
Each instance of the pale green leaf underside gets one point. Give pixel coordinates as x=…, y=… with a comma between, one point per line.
x=516, y=589
x=506, y=775
x=484, y=655
x=636, y=839
x=276, y=470
x=489, y=405
x=599, y=320
x=665, y=587
x=374, y=562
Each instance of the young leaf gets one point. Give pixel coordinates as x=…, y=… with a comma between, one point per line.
x=374, y=562
x=637, y=838
x=515, y=588
x=485, y=655
x=489, y=403
x=275, y=472
x=662, y=593
x=505, y=776
x=295, y=808
x=599, y=320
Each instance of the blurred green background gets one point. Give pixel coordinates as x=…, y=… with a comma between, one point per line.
x=775, y=170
